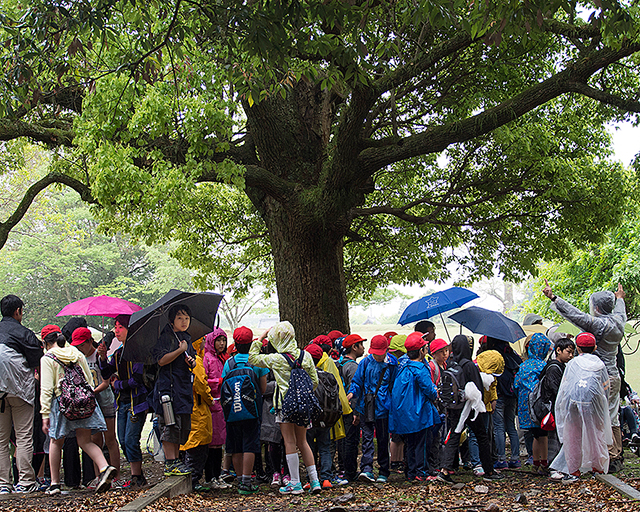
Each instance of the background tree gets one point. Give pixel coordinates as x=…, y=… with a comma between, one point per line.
x=329, y=118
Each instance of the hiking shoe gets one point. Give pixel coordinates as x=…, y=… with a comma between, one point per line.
x=249, y=488
x=5, y=489
x=222, y=484
x=381, y=479
x=478, y=471
x=276, y=481
x=175, y=469
x=227, y=476
x=570, y=479
x=366, y=476
x=326, y=484
x=105, y=478
x=292, y=488
x=446, y=478
x=26, y=489
x=515, y=464
x=501, y=464
x=493, y=477
x=137, y=481
x=529, y=461
x=54, y=489
x=315, y=487
x=93, y=484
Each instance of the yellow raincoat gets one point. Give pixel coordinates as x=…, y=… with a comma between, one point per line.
x=327, y=364
x=201, y=426
x=491, y=362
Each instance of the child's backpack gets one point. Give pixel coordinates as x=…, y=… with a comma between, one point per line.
x=341, y=363
x=77, y=401
x=239, y=395
x=538, y=408
x=328, y=394
x=451, y=388
x=300, y=405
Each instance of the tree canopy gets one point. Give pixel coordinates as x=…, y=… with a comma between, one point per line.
x=338, y=146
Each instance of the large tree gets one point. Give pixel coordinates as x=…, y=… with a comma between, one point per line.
x=344, y=145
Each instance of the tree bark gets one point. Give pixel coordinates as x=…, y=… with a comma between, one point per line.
x=308, y=264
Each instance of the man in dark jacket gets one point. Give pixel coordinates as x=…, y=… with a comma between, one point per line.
x=469, y=373
x=20, y=354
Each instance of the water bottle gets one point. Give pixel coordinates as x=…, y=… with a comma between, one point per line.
x=167, y=410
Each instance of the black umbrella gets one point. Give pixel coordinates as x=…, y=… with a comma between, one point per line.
x=491, y=323
x=146, y=325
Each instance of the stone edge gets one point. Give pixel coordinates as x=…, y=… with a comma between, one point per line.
x=620, y=486
x=169, y=487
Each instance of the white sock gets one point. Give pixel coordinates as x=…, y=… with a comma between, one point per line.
x=312, y=473
x=294, y=467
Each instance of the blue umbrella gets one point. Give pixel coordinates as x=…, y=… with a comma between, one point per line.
x=436, y=303
x=491, y=323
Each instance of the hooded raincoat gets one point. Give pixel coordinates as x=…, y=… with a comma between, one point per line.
x=213, y=365
x=491, y=363
x=582, y=419
x=413, y=395
x=366, y=379
x=528, y=376
x=282, y=338
x=201, y=426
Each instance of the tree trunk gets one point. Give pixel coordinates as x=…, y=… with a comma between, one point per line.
x=308, y=264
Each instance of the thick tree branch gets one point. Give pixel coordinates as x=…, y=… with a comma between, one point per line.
x=436, y=139
x=60, y=135
x=33, y=191
x=604, y=97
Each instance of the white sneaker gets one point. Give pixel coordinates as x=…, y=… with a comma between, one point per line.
x=222, y=484
x=478, y=471
x=556, y=476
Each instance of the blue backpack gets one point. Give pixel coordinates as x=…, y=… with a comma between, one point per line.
x=240, y=396
x=300, y=404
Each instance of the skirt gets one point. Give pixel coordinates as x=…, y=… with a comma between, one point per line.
x=60, y=426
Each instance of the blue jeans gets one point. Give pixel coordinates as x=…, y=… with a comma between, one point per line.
x=129, y=431
x=474, y=450
x=381, y=427
x=504, y=420
x=319, y=440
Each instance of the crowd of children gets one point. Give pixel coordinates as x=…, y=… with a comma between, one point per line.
x=414, y=403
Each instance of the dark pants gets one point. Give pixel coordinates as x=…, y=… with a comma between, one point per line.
x=416, y=449
x=213, y=465
x=451, y=448
x=351, y=442
x=196, y=458
x=434, y=441
x=75, y=472
x=381, y=427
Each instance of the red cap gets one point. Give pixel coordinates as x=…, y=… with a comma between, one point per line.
x=48, y=329
x=80, y=335
x=334, y=335
x=482, y=340
x=243, y=335
x=586, y=339
x=414, y=341
x=322, y=340
x=314, y=350
x=437, y=344
x=390, y=334
x=379, y=345
x=352, y=339
x=231, y=349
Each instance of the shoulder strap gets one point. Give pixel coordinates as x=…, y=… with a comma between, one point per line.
x=381, y=379
x=290, y=361
x=52, y=356
x=300, y=359
x=232, y=363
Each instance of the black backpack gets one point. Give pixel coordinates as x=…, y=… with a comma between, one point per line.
x=300, y=405
x=451, y=388
x=538, y=408
x=240, y=395
x=328, y=394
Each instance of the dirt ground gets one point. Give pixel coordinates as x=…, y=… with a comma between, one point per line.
x=521, y=491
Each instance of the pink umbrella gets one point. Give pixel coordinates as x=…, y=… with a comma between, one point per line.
x=102, y=305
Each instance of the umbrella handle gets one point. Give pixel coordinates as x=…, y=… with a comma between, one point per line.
x=218, y=323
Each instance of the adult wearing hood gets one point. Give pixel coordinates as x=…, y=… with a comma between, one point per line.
x=283, y=340
x=53, y=366
x=469, y=378
x=525, y=382
x=606, y=322
x=215, y=355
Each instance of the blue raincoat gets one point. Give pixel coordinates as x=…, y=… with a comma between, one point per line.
x=528, y=376
x=411, y=409
x=365, y=381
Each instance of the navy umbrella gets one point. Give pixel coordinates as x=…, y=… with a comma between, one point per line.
x=490, y=323
x=146, y=325
x=436, y=304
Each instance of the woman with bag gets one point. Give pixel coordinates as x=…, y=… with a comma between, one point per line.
x=59, y=359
